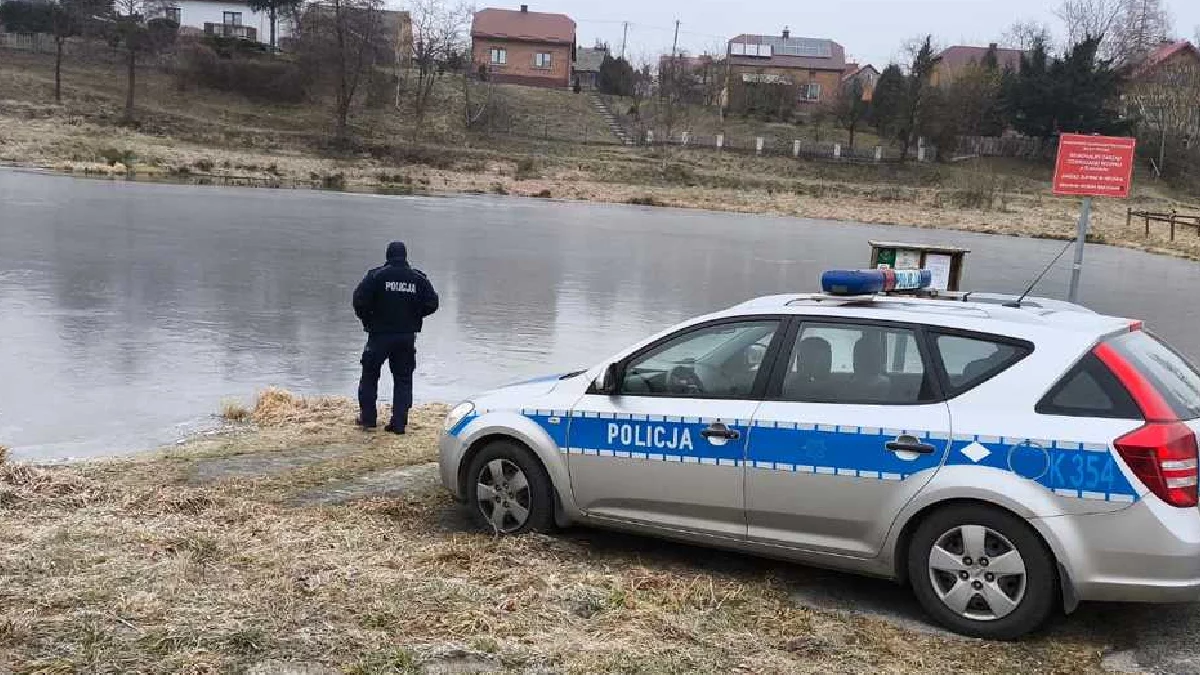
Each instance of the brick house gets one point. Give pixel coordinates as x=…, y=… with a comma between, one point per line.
x=524, y=47
x=1162, y=89
x=813, y=65
x=953, y=60
x=867, y=75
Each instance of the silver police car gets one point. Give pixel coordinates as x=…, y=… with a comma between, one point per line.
x=1005, y=459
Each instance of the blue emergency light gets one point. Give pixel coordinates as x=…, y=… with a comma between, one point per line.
x=870, y=282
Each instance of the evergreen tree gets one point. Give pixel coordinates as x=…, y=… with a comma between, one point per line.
x=918, y=109
x=888, y=100
x=1073, y=93
x=616, y=77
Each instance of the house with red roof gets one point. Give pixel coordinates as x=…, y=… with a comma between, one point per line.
x=866, y=75
x=814, y=66
x=954, y=60
x=524, y=47
x=1164, y=88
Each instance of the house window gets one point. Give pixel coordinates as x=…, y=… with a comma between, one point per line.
x=174, y=15
x=541, y=60
x=810, y=92
x=232, y=19
x=499, y=56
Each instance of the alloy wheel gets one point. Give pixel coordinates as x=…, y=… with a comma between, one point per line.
x=977, y=572
x=502, y=491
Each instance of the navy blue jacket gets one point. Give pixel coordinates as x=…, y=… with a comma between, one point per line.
x=394, y=298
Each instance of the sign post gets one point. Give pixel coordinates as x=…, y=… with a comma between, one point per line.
x=1091, y=166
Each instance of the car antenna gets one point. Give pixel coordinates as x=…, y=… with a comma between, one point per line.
x=1017, y=302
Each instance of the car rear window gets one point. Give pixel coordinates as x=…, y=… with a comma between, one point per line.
x=1172, y=375
x=1089, y=389
x=971, y=360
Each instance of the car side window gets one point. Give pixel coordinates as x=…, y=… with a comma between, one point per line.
x=721, y=361
x=969, y=361
x=1089, y=390
x=851, y=363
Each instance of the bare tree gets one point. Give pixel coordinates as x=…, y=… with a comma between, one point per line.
x=1141, y=26
x=851, y=107
x=139, y=26
x=1082, y=18
x=274, y=9
x=439, y=32
x=344, y=39
x=1024, y=33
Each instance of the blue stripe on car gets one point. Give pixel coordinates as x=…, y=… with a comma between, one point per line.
x=1068, y=468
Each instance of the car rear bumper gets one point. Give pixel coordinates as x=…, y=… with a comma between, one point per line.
x=1149, y=552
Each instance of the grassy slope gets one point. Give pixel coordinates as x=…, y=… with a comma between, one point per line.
x=165, y=564
x=740, y=131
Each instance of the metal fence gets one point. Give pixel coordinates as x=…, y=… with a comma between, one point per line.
x=36, y=43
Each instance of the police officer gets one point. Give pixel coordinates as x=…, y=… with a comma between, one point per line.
x=391, y=301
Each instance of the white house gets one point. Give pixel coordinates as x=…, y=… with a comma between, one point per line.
x=226, y=18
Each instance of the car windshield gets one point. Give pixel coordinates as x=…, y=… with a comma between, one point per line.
x=1175, y=379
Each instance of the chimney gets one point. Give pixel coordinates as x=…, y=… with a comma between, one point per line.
x=992, y=45
x=786, y=33
x=524, y=9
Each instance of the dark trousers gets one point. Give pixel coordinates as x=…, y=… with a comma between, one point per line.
x=399, y=350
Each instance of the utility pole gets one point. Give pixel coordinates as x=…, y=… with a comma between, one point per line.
x=675, y=43
x=624, y=36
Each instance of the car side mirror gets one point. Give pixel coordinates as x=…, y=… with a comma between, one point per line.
x=606, y=385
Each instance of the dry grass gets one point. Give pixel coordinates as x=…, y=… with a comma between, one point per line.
x=234, y=411
x=137, y=566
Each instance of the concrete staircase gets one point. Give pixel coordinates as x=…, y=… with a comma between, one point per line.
x=613, y=124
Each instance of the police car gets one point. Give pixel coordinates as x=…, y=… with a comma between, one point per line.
x=1004, y=457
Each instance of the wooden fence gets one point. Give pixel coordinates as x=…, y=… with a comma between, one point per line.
x=1172, y=218
x=1023, y=147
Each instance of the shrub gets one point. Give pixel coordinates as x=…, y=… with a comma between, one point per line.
x=113, y=157
x=415, y=154
x=234, y=411
x=645, y=201
x=335, y=181
x=259, y=78
x=205, y=165
x=527, y=168
x=678, y=173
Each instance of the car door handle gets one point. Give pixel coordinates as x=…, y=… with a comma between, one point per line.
x=718, y=430
x=906, y=446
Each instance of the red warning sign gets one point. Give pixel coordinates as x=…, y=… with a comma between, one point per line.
x=1094, y=166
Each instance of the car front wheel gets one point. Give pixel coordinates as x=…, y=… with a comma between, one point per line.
x=508, y=491
x=983, y=572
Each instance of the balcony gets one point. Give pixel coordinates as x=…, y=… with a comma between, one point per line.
x=229, y=30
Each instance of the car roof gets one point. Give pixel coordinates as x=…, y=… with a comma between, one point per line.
x=985, y=312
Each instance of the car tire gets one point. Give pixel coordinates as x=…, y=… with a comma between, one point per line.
x=508, y=490
x=949, y=558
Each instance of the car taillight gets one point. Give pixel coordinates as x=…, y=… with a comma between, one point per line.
x=1163, y=456
x=1163, y=453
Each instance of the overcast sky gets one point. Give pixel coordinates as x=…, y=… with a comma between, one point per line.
x=872, y=31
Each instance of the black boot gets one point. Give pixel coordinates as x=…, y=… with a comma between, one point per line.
x=393, y=429
x=365, y=427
